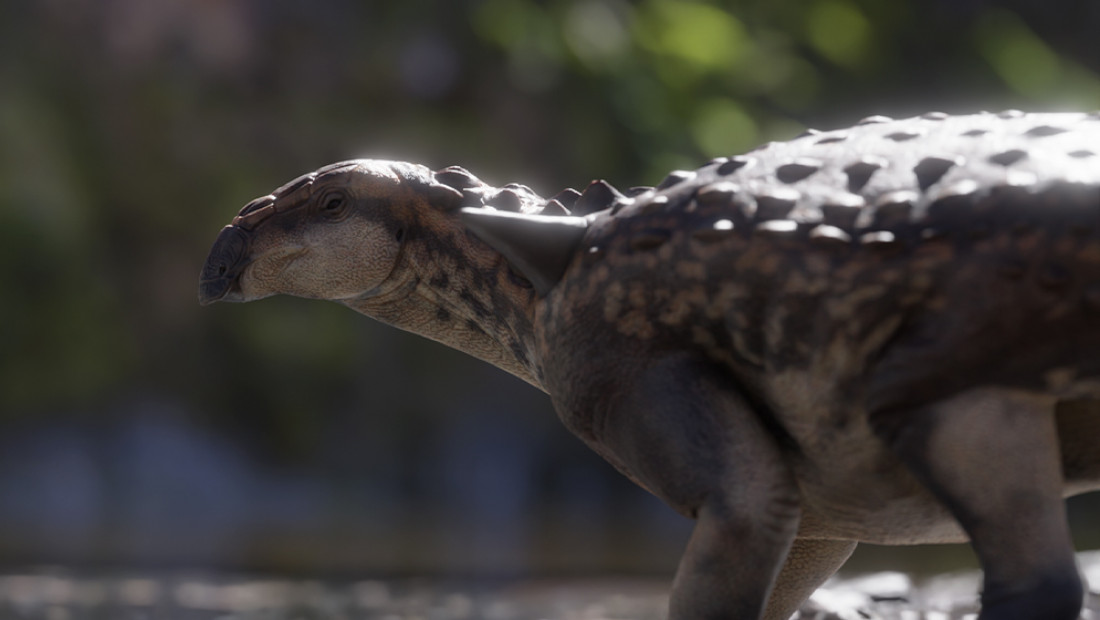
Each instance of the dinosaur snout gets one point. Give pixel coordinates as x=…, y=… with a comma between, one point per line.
x=228, y=257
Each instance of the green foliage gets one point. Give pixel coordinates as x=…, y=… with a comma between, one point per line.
x=1017, y=55
x=839, y=31
x=1028, y=65
x=689, y=40
x=721, y=126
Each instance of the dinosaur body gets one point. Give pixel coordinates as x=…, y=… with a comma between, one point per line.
x=885, y=334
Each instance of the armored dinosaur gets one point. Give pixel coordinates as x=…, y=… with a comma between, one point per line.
x=887, y=333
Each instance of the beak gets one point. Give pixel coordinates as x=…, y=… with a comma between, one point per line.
x=224, y=264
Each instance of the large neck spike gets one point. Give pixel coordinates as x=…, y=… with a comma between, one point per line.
x=539, y=246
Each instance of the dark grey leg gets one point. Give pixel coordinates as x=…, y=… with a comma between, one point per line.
x=681, y=429
x=992, y=457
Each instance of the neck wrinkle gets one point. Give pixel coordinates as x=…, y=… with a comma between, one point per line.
x=493, y=322
x=503, y=336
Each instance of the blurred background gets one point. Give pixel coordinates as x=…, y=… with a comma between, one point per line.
x=138, y=429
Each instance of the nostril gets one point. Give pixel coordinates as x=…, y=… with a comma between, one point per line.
x=226, y=256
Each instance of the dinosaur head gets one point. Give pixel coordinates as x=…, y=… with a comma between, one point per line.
x=336, y=233
x=441, y=254
x=332, y=234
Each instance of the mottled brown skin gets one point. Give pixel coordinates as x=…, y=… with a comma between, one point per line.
x=881, y=334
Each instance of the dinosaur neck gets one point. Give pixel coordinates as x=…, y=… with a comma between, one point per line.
x=466, y=299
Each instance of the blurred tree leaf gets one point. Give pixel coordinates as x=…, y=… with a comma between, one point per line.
x=1029, y=66
x=689, y=39
x=1024, y=62
x=722, y=127
x=840, y=32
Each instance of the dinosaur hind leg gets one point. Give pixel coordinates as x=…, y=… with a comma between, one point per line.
x=992, y=457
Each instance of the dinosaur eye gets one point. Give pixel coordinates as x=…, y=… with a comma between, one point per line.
x=334, y=205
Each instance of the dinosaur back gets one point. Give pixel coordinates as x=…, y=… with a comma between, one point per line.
x=888, y=254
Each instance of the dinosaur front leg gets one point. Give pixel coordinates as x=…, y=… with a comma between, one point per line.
x=992, y=457
x=679, y=427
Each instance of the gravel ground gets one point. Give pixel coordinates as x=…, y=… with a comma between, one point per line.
x=56, y=594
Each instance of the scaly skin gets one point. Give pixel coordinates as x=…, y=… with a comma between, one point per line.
x=881, y=334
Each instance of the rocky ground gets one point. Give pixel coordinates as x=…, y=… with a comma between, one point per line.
x=56, y=594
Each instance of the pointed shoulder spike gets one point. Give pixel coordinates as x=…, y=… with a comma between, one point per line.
x=555, y=208
x=444, y=196
x=457, y=177
x=507, y=199
x=538, y=246
x=567, y=197
x=599, y=195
